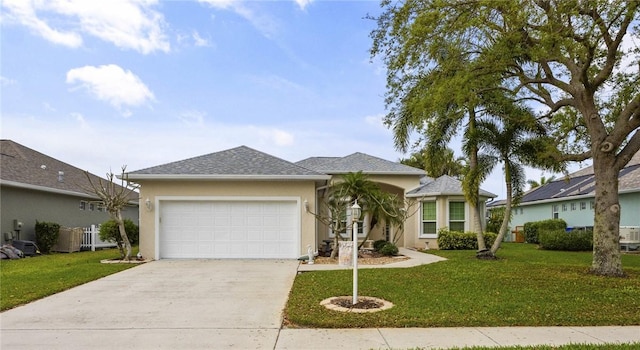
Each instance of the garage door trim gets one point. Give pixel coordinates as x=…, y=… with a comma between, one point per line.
x=160, y=199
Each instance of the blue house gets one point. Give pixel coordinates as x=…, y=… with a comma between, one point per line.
x=571, y=198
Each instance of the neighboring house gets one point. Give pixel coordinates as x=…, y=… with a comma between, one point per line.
x=572, y=198
x=34, y=186
x=242, y=203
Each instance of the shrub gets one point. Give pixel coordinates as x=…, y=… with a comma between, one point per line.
x=532, y=229
x=46, y=235
x=109, y=232
x=494, y=221
x=454, y=240
x=577, y=240
x=377, y=245
x=389, y=249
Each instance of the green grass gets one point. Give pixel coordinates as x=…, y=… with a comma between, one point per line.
x=526, y=287
x=29, y=279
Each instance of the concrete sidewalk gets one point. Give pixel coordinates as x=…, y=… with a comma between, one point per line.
x=445, y=338
x=416, y=259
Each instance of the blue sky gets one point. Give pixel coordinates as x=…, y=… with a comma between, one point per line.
x=101, y=84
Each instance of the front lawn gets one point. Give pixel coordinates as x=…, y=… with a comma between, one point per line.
x=29, y=279
x=526, y=287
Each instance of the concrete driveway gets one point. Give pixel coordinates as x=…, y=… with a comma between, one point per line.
x=166, y=304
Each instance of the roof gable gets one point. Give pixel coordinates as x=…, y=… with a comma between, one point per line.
x=358, y=162
x=21, y=166
x=232, y=163
x=443, y=186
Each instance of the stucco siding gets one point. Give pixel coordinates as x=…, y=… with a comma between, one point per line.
x=166, y=190
x=630, y=209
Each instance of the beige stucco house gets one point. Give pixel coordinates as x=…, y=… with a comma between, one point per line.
x=242, y=203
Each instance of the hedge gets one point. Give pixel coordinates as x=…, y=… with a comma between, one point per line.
x=454, y=240
x=46, y=235
x=577, y=240
x=109, y=232
x=532, y=229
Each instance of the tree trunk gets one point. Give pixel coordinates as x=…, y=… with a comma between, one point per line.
x=507, y=211
x=123, y=235
x=606, y=227
x=473, y=171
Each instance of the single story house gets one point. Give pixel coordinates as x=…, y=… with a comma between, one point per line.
x=243, y=203
x=572, y=199
x=34, y=186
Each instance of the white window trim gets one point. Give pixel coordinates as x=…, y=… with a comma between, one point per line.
x=466, y=213
x=348, y=234
x=428, y=235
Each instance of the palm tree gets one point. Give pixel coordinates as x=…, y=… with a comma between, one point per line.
x=436, y=161
x=514, y=138
x=380, y=205
x=543, y=181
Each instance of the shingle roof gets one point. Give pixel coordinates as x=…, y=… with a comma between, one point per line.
x=358, y=162
x=582, y=183
x=21, y=166
x=443, y=186
x=235, y=163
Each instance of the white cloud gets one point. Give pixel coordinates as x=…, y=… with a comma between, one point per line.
x=24, y=13
x=4, y=81
x=192, y=118
x=81, y=121
x=375, y=121
x=112, y=84
x=276, y=136
x=303, y=3
x=128, y=24
x=266, y=25
x=200, y=41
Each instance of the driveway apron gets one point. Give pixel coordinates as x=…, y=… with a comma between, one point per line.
x=164, y=304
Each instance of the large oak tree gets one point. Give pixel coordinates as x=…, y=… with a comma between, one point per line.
x=568, y=59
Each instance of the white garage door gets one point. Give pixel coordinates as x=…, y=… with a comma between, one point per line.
x=229, y=229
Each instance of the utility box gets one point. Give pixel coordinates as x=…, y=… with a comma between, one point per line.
x=630, y=237
x=69, y=240
x=28, y=248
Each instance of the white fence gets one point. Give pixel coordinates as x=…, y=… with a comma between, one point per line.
x=91, y=239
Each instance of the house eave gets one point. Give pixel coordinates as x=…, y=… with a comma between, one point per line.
x=55, y=191
x=395, y=173
x=207, y=177
x=432, y=194
x=45, y=189
x=568, y=198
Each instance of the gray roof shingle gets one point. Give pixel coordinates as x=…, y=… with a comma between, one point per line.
x=232, y=163
x=443, y=186
x=21, y=166
x=358, y=162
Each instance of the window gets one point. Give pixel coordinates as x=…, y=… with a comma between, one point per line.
x=573, y=206
x=456, y=216
x=92, y=206
x=564, y=206
x=83, y=205
x=555, y=211
x=343, y=233
x=429, y=227
x=591, y=205
x=583, y=205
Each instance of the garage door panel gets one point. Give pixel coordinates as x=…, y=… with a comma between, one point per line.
x=229, y=229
